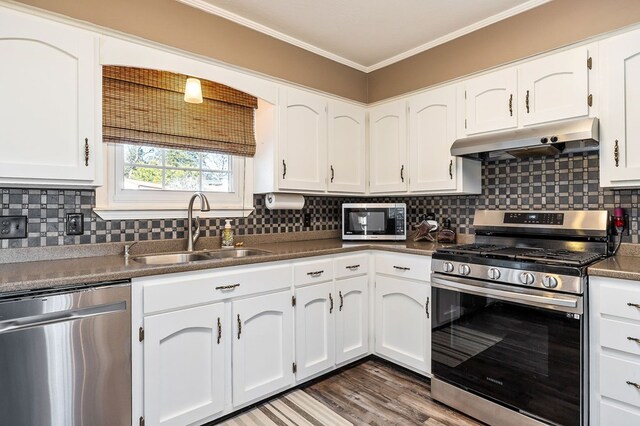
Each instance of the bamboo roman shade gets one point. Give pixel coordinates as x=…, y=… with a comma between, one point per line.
x=147, y=107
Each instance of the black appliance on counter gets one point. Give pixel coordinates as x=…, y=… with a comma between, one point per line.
x=509, y=325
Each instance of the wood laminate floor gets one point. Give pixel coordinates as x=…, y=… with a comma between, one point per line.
x=371, y=393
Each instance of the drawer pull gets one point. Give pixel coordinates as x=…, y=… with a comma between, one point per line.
x=634, y=339
x=315, y=273
x=219, y=330
x=401, y=268
x=227, y=287
x=341, y=301
x=635, y=305
x=331, y=300
x=635, y=385
x=352, y=267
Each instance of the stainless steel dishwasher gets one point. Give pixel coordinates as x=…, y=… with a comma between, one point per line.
x=65, y=357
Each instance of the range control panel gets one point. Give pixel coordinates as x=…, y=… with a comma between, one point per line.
x=530, y=218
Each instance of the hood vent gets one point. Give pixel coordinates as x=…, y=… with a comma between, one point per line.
x=549, y=139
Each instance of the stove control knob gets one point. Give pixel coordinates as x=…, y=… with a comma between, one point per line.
x=447, y=267
x=464, y=269
x=527, y=278
x=549, y=281
x=494, y=273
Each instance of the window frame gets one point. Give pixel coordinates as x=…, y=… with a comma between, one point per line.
x=114, y=202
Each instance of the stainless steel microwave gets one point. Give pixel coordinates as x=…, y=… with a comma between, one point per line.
x=374, y=221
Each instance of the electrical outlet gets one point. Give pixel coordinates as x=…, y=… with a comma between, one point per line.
x=13, y=227
x=307, y=220
x=75, y=224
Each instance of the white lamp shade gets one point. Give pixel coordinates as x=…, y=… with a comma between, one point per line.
x=193, y=91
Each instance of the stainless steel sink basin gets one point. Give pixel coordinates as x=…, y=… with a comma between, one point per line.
x=186, y=257
x=170, y=258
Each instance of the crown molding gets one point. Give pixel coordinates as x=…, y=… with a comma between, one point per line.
x=215, y=10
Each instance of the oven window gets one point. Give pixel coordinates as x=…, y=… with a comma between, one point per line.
x=521, y=356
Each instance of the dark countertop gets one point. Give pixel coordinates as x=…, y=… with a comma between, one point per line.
x=15, y=277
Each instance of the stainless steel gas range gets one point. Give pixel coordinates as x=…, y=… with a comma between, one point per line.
x=509, y=325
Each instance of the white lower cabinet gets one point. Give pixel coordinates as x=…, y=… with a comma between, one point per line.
x=614, y=328
x=262, y=346
x=184, y=365
x=352, y=318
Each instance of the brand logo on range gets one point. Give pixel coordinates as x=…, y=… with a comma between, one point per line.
x=497, y=382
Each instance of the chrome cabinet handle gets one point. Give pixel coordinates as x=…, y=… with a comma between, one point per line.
x=331, y=306
x=341, y=301
x=315, y=274
x=352, y=267
x=402, y=173
x=616, y=153
x=511, y=105
x=427, y=307
x=526, y=102
x=239, y=327
x=284, y=169
x=219, y=330
x=635, y=305
x=333, y=173
x=86, y=152
x=634, y=339
x=401, y=268
x=634, y=384
x=228, y=287
x=451, y=169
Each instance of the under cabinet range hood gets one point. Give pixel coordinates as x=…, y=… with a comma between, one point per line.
x=549, y=139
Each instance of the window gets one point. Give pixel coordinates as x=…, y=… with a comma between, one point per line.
x=146, y=182
x=159, y=169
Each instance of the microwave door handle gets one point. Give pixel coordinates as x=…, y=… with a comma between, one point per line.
x=564, y=304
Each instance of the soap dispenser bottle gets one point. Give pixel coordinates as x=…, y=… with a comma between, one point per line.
x=227, y=235
x=447, y=234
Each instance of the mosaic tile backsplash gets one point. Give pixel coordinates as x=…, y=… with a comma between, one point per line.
x=561, y=182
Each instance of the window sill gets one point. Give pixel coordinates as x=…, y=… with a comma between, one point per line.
x=122, y=214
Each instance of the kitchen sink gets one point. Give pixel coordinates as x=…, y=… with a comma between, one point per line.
x=186, y=257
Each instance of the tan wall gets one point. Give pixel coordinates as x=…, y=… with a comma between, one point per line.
x=175, y=24
x=549, y=26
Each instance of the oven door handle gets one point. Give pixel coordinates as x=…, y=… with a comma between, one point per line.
x=563, y=303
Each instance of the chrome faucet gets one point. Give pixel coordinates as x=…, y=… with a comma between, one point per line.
x=127, y=249
x=204, y=206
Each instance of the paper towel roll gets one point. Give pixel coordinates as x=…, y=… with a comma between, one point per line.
x=284, y=201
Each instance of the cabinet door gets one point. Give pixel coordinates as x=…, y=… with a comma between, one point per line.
x=346, y=148
x=388, y=148
x=262, y=346
x=433, y=129
x=302, y=141
x=183, y=365
x=555, y=87
x=352, y=319
x=402, y=324
x=47, y=106
x=315, y=329
x=491, y=102
x=619, y=125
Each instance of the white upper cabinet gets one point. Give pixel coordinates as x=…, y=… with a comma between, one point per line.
x=49, y=81
x=302, y=141
x=432, y=121
x=346, y=166
x=554, y=87
x=388, y=147
x=620, y=111
x=490, y=102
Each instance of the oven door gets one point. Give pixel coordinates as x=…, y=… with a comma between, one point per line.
x=372, y=222
x=518, y=347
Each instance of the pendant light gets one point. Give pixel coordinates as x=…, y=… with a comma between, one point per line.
x=193, y=91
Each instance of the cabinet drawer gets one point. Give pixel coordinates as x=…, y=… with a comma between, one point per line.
x=620, y=335
x=351, y=266
x=316, y=271
x=175, y=291
x=614, y=375
x=618, y=299
x=612, y=415
x=404, y=266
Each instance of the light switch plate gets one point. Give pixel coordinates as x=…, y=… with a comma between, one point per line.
x=13, y=227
